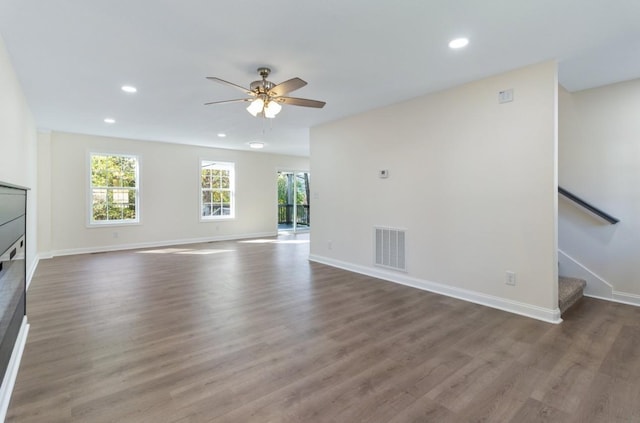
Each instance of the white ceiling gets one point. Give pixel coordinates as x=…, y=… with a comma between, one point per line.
x=72, y=56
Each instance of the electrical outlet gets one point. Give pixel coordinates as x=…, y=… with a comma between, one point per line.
x=330, y=245
x=510, y=278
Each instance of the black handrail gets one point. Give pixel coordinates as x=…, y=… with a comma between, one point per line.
x=588, y=206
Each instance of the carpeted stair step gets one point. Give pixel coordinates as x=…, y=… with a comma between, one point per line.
x=570, y=290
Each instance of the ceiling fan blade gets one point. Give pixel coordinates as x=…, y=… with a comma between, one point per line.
x=228, y=101
x=231, y=84
x=286, y=87
x=301, y=102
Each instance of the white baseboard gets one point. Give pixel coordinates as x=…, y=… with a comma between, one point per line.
x=597, y=286
x=626, y=298
x=12, y=370
x=31, y=270
x=154, y=244
x=516, y=307
x=45, y=255
x=619, y=297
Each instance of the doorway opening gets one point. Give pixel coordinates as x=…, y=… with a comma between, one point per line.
x=293, y=201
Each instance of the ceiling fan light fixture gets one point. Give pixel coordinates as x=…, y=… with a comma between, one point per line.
x=256, y=106
x=272, y=109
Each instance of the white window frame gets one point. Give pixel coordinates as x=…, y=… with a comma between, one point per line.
x=215, y=164
x=90, y=191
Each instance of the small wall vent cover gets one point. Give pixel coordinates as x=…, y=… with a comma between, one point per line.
x=389, y=245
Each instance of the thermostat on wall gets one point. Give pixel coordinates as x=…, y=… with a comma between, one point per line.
x=505, y=96
x=384, y=173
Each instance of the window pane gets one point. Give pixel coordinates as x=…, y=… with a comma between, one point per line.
x=114, y=171
x=114, y=213
x=99, y=204
x=215, y=179
x=225, y=180
x=205, y=178
x=120, y=196
x=206, y=197
x=98, y=171
x=128, y=172
x=99, y=194
x=100, y=212
x=129, y=212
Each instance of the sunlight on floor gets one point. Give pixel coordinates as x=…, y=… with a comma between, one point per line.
x=283, y=238
x=183, y=251
x=205, y=252
x=163, y=251
x=275, y=241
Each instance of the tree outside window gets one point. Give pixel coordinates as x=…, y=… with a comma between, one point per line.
x=217, y=190
x=114, y=189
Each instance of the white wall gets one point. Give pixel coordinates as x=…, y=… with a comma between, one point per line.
x=18, y=148
x=472, y=181
x=599, y=160
x=44, y=191
x=169, y=189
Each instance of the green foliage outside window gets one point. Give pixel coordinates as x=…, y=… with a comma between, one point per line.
x=286, y=194
x=114, y=188
x=216, y=186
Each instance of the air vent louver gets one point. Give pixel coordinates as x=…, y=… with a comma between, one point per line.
x=390, y=248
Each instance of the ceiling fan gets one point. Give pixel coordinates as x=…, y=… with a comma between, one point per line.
x=266, y=97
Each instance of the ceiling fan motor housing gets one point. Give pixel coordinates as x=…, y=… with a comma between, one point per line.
x=262, y=86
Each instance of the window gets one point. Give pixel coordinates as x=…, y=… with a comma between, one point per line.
x=216, y=190
x=114, y=189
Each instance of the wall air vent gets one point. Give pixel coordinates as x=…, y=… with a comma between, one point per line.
x=390, y=248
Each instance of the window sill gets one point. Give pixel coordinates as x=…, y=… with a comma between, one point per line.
x=113, y=224
x=216, y=219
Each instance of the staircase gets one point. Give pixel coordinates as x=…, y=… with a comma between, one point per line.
x=569, y=292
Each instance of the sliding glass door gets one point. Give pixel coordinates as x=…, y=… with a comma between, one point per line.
x=294, y=213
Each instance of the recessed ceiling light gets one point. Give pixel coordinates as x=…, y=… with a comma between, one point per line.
x=256, y=144
x=221, y=135
x=129, y=89
x=109, y=120
x=458, y=43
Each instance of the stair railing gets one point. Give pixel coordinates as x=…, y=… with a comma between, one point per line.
x=588, y=206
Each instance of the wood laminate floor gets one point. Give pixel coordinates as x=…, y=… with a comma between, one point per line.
x=253, y=332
